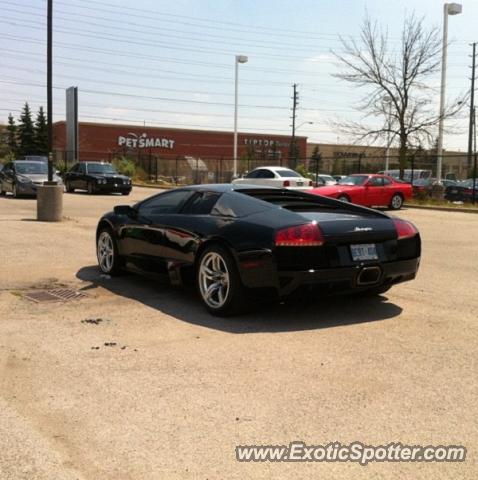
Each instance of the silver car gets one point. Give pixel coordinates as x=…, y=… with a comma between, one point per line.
x=21, y=177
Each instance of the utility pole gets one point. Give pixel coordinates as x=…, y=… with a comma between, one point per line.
x=472, y=108
x=293, y=149
x=473, y=191
x=49, y=87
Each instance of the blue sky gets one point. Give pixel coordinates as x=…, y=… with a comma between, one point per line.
x=171, y=63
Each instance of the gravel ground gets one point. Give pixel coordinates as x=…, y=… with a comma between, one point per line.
x=137, y=381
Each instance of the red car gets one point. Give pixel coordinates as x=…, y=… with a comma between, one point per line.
x=370, y=190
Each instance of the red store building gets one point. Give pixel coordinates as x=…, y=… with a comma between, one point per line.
x=99, y=141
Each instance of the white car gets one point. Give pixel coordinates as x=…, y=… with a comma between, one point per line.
x=281, y=177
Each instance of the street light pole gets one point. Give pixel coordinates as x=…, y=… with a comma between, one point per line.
x=238, y=59
x=388, y=101
x=448, y=9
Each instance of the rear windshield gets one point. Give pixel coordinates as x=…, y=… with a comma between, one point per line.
x=295, y=201
x=287, y=173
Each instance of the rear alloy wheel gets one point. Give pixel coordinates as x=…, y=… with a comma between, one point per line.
x=218, y=282
x=396, y=202
x=109, y=260
x=343, y=198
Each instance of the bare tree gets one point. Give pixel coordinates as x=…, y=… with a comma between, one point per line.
x=396, y=81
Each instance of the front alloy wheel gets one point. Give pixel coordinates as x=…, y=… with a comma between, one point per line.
x=14, y=191
x=107, y=253
x=219, y=284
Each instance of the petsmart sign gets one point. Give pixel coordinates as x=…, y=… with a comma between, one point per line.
x=132, y=140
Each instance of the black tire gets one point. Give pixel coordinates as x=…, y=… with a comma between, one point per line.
x=68, y=187
x=343, y=198
x=125, y=193
x=235, y=299
x=396, y=202
x=90, y=188
x=378, y=290
x=2, y=191
x=117, y=263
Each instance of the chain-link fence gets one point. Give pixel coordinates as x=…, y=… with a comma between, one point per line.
x=186, y=170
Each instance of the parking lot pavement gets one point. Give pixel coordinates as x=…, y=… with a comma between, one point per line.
x=137, y=381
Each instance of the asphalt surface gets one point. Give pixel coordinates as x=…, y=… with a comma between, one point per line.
x=137, y=381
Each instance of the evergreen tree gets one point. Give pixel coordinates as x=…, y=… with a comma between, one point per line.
x=41, y=133
x=12, y=135
x=26, y=133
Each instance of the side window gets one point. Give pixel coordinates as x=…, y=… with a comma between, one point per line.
x=82, y=167
x=169, y=202
x=266, y=174
x=252, y=174
x=376, y=182
x=386, y=181
x=201, y=203
x=75, y=168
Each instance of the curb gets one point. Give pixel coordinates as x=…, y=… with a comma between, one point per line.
x=442, y=209
x=155, y=187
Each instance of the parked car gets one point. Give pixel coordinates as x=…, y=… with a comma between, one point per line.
x=238, y=242
x=407, y=174
x=423, y=186
x=337, y=178
x=462, y=192
x=96, y=177
x=21, y=177
x=369, y=190
x=322, y=179
x=276, y=177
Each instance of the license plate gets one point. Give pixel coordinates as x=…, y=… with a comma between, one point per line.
x=366, y=251
x=453, y=190
x=299, y=184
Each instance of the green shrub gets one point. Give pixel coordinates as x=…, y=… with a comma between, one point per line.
x=125, y=166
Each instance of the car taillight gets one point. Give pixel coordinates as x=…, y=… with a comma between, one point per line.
x=468, y=191
x=404, y=229
x=308, y=235
x=286, y=183
x=311, y=183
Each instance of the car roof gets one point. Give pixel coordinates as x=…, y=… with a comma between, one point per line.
x=229, y=187
x=273, y=167
x=28, y=161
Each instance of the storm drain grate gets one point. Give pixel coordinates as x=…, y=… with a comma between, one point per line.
x=56, y=295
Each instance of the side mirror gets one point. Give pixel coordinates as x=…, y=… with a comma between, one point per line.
x=125, y=210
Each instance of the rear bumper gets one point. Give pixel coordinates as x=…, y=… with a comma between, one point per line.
x=258, y=271
x=348, y=279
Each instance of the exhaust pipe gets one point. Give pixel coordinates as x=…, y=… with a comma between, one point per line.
x=369, y=276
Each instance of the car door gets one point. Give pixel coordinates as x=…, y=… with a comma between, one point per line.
x=144, y=241
x=8, y=177
x=72, y=176
x=374, y=191
x=82, y=179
